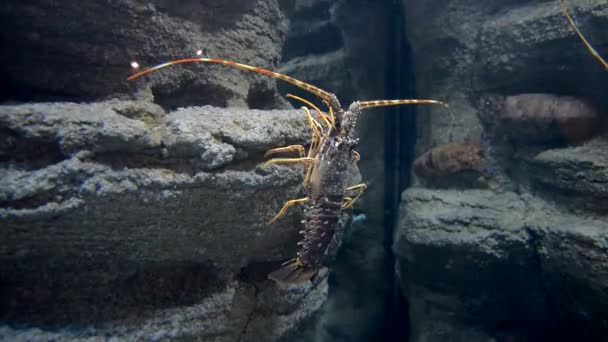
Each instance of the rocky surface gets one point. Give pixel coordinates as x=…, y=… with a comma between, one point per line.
x=574, y=177
x=82, y=51
x=520, y=260
x=477, y=265
x=121, y=220
x=464, y=51
x=240, y=312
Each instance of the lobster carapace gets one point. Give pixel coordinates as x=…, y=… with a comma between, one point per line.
x=325, y=163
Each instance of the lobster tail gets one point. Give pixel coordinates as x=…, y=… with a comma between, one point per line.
x=293, y=272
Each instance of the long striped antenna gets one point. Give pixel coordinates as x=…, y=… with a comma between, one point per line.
x=324, y=95
x=386, y=103
x=593, y=52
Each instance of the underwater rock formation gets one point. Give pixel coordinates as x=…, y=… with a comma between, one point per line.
x=477, y=265
x=574, y=177
x=72, y=50
x=523, y=260
x=122, y=220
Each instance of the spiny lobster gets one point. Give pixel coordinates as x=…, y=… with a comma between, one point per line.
x=330, y=154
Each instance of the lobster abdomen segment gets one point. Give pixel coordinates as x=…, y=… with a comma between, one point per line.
x=320, y=223
x=321, y=220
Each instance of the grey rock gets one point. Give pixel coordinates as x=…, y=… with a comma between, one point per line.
x=573, y=260
x=462, y=51
x=575, y=177
x=229, y=315
x=503, y=264
x=145, y=225
x=75, y=50
x=488, y=264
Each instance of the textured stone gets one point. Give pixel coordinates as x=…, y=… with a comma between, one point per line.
x=148, y=225
x=83, y=51
x=233, y=314
x=478, y=263
x=520, y=262
x=573, y=262
x=462, y=51
x=575, y=177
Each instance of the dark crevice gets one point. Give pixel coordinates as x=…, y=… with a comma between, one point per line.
x=190, y=166
x=562, y=332
x=250, y=317
x=261, y=98
x=14, y=91
x=399, y=135
x=31, y=202
x=255, y=275
x=256, y=272
x=28, y=154
x=90, y=292
x=191, y=94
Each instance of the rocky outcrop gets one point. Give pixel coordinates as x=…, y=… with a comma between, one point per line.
x=122, y=220
x=143, y=218
x=574, y=177
x=476, y=265
x=521, y=259
x=463, y=51
x=83, y=51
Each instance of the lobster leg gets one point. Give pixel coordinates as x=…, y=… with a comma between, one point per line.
x=286, y=207
x=360, y=188
x=292, y=148
x=328, y=121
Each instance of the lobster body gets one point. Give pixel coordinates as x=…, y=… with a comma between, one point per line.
x=326, y=187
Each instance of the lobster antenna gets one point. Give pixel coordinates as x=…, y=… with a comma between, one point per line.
x=386, y=103
x=324, y=95
x=593, y=52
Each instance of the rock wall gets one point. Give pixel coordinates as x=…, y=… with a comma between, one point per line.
x=140, y=215
x=115, y=216
x=82, y=51
x=522, y=254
